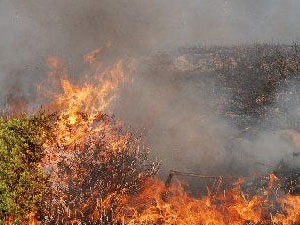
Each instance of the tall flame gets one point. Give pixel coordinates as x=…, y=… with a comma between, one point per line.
x=80, y=105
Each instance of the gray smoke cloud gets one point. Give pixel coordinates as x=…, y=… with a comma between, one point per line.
x=69, y=28
x=180, y=111
x=73, y=27
x=177, y=114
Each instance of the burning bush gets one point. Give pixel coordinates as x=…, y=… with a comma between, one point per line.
x=61, y=184
x=78, y=154
x=93, y=155
x=93, y=170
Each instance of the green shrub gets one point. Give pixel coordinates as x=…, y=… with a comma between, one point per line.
x=22, y=181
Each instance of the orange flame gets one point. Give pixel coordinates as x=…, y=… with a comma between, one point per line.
x=80, y=106
x=157, y=204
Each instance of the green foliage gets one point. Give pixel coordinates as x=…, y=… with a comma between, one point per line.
x=22, y=182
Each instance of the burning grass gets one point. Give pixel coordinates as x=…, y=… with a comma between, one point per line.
x=92, y=170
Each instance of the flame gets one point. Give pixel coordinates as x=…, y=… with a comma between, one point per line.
x=157, y=204
x=81, y=118
x=80, y=105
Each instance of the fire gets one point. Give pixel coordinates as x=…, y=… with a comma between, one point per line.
x=92, y=155
x=96, y=167
x=157, y=204
x=80, y=105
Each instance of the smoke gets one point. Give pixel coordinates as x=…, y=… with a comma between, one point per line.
x=173, y=109
x=72, y=27
x=69, y=28
x=177, y=110
x=180, y=111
